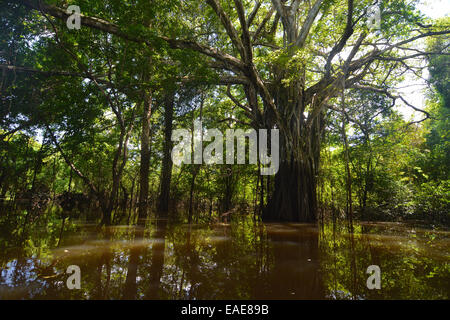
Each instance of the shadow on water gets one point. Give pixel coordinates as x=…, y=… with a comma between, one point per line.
x=240, y=260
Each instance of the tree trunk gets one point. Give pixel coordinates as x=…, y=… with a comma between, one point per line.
x=229, y=189
x=166, y=174
x=195, y=171
x=145, y=156
x=349, y=209
x=293, y=197
x=117, y=171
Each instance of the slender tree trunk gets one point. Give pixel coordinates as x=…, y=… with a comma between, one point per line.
x=229, y=189
x=166, y=174
x=145, y=156
x=349, y=208
x=132, y=200
x=349, y=177
x=37, y=165
x=195, y=167
x=195, y=171
x=367, y=184
x=117, y=171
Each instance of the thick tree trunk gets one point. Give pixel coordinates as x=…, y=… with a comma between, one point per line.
x=166, y=174
x=293, y=197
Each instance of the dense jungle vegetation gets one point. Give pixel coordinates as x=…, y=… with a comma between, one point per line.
x=87, y=114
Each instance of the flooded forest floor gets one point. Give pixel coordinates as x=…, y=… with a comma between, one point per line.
x=242, y=259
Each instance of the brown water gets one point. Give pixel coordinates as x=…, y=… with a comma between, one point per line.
x=241, y=260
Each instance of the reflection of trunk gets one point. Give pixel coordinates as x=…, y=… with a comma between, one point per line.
x=61, y=231
x=157, y=265
x=166, y=174
x=102, y=292
x=294, y=271
x=294, y=193
x=353, y=268
x=130, y=290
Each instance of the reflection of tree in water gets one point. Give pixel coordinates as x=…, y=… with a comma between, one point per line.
x=130, y=289
x=201, y=264
x=149, y=262
x=295, y=273
x=157, y=260
x=411, y=267
x=242, y=260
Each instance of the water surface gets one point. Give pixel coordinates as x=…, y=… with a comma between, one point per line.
x=240, y=260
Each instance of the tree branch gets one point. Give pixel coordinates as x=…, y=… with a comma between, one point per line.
x=226, y=22
x=109, y=27
x=253, y=13
x=348, y=31
x=312, y=14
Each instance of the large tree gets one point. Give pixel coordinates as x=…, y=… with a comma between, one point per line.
x=287, y=59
